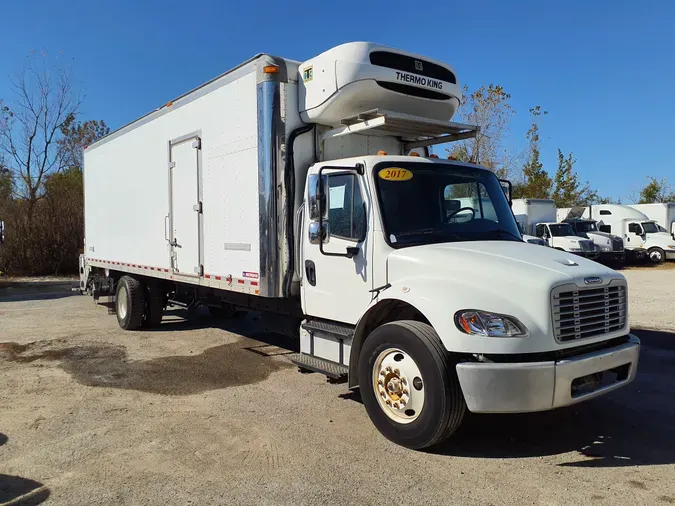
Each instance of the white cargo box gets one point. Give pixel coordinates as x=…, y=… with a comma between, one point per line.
x=360, y=76
x=189, y=191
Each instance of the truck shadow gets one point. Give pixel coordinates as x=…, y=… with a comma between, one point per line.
x=20, y=291
x=21, y=491
x=632, y=426
x=3, y=439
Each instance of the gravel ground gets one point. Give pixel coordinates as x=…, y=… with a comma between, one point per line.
x=197, y=414
x=651, y=293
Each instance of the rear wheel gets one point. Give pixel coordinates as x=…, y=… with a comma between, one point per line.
x=129, y=303
x=409, y=386
x=657, y=255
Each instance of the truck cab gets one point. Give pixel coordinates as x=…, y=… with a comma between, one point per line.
x=561, y=236
x=610, y=247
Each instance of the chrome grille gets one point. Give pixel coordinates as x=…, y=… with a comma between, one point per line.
x=581, y=313
x=617, y=244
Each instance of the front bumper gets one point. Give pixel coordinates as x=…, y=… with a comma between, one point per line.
x=541, y=386
x=591, y=255
x=612, y=257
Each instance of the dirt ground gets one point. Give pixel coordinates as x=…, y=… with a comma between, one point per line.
x=201, y=413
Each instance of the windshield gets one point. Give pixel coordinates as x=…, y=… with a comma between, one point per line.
x=650, y=227
x=424, y=203
x=586, y=226
x=561, y=229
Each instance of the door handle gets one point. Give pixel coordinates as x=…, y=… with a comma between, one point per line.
x=166, y=227
x=310, y=270
x=175, y=244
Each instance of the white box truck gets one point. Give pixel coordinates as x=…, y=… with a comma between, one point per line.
x=290, y=188
x=639, y=233
x=610, y=247
x=663, y=213
x=538, y=217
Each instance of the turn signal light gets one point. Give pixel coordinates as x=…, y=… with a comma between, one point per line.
x=433, y=156
x=414, y=153
x=381, y=152
x=271, y=69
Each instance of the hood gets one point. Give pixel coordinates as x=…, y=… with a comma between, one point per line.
x=504, y=265
x=661, y=238
x=604, y=235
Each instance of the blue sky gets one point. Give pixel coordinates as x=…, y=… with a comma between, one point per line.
x=605, y=70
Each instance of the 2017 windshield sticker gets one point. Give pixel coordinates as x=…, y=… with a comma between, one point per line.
x=395, y=174
x=422, y=81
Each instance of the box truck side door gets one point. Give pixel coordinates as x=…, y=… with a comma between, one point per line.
x=336, y=287
x=185, y=205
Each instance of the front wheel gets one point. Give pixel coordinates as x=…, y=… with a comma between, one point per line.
x=657, y=255
x=409, y=386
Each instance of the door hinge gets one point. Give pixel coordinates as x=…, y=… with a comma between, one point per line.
x=199, y=270
x=198, y=207
x=172, y=165
x=197, y=144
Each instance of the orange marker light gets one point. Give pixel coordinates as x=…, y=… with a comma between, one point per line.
x=433, y=156
x=271, y=69
x=414, y=153
x=381, y=152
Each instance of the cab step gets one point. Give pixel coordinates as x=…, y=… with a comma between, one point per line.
x=315, y=364
x=331, y=328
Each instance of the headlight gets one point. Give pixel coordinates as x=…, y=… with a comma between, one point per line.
x=575, y=250
x=671, y=247
x=605, y=248
x=482, y=323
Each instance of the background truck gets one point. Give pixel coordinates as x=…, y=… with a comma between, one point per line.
x=538, y=217
x=291, y=189
x=610, y=247
x=663, y=213
x=638, y=231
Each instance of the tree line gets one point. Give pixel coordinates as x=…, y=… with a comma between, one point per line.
x=41, y=186
x=42, y=136
x=489, y=107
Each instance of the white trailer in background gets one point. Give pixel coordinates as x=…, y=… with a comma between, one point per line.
x=289, y=188
x=663, y=213
x=538, y=217
x=610, y=247
x=638, y=231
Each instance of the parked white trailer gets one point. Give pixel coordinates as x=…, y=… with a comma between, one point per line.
x=638, y=231
x=663, y=213
x=270, y=188
x=610, y=247
x=538, y=217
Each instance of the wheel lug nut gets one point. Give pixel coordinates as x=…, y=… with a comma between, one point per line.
x=380, y=382
x=382, y=373
x=388, y=402
x=388, y=368
x=397, y=372
x=405, y=391
x=403, y=380
x=396, y=405
x=403, y=403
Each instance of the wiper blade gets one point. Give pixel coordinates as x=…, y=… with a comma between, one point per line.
x=502, y=231
x=429, y=232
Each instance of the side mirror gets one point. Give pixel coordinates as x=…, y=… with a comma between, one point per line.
x=507, y=188
x=318, y=196
x=319, y=233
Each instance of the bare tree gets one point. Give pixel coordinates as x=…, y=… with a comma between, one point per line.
x=44, y=99
x=488, y=107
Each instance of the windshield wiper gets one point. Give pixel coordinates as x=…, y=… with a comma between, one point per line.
x=503, y=231
x=433, y=233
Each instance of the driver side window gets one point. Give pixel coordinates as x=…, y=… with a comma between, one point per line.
x=634, y=228
x=541, y=231
x=347, y=216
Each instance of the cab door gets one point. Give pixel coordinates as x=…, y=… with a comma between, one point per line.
x=337, y=274
x=635, y=237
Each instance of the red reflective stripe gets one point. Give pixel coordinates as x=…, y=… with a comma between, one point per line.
x=207, y=276
x=218, y=278
x=240, y=281
x=254, y=283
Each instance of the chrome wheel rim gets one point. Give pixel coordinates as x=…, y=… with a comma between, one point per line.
x=398, y=385
x=656, y=256
x=122, y=303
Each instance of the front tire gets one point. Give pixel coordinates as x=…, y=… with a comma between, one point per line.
x=129, y=303
x=657, y=255
x=409, y=386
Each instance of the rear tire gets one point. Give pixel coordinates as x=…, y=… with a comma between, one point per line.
x=417, y=347
x=129, y=303
x=657, y=255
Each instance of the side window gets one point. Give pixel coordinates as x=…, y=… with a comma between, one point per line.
x=540, y=230
x=347, y=216
x=605, y=212
x=605, y=228
x=634, y=228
